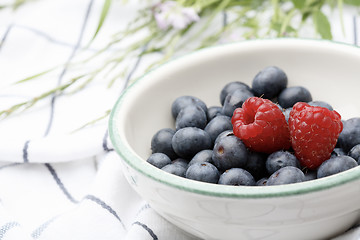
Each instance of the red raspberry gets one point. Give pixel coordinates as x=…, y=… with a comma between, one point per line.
x=261, y=125
x=314, y=132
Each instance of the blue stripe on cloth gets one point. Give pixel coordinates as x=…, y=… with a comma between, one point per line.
x=129, y=76
x=136, y=65
x=62, y=74
x=151, y=232
x=143, y=208
x=105, y=206
x=9, y=165
x=105, y=142
x=46, y=36
x=59, y=183
x=6, y=34
x=38, y=231
x=6, y=227
x=25, y=151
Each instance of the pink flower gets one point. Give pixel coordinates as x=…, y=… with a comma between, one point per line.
x=171, y=13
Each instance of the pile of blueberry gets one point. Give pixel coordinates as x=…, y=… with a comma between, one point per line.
x=203, y=147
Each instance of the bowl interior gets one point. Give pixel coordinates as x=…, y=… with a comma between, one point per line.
x=329, y=70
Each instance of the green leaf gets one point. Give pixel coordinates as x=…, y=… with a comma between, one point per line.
x=315, y=3
x=251, y=23
x=322, y=24
x=35, y=75
x=352, y=2
x=286, y=22
x=305, y=15
x=104, y=13
x=281, y=30
x=299, y=4
x=340, y=7
x=18, y=3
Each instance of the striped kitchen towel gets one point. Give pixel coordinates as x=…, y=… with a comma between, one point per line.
x=59, y=177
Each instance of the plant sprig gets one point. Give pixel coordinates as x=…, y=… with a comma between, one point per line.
x=282, y=18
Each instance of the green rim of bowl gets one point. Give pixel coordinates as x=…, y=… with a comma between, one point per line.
x=215, y=190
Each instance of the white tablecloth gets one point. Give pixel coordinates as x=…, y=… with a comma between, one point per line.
x=57, y=182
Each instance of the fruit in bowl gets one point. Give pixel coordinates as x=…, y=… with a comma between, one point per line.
x=318, y=209
x=259, y=126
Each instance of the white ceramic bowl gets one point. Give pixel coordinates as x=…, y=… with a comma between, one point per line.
x=316, y=209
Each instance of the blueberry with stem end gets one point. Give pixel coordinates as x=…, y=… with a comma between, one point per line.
x=202, y=156
x=230, y=152
x=204, y=172
x=218, y=125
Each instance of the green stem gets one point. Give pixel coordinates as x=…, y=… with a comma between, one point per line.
x=340, y=6
x=106, y=114
x=27, y=104
x=286, y=22
x=222, y=6
x=169, y=48
x=85, y=83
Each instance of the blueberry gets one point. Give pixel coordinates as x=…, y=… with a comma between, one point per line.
x=181, y=161
x=279, y=106
x=176, y=169
x=191, y=116
x=286, y=175
x=229, y=152
x=202, y=156
x=237, y=177
x=183, y=101
x=261, y=182
x=161, y=142
x=213, y=111
x=269, y=82
x=335, y=165
x=321, y=104
x=287, y=113
x=204, y=172
x=223, y=134
x=350, y=135
x=230, y=87
x=190, y=140
x=355, y=153
x=310, y=175
x=337, y=152
x=280, y=159
x=291, y=95
x=256, y=164
x=218, y=125
x=235, y=100
x=159, y=160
